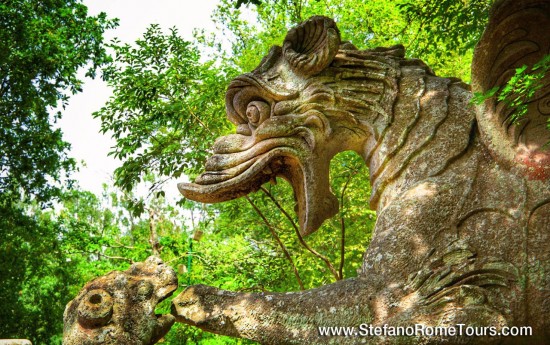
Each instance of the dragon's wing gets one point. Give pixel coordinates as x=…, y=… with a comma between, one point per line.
x=518, y=34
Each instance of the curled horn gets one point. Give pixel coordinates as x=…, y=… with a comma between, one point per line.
x=311, y=46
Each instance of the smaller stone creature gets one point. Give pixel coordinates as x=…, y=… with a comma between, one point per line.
x=119, y=308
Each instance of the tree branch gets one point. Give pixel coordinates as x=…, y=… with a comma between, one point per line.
x=300, y=238
x=99, y=254
x=281, y=244
x=343, y=227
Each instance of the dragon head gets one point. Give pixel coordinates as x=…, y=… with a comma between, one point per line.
x=307, y=101
x=119, y=308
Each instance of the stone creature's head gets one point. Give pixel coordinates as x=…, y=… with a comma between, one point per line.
x=306, y=101
x=119, y=308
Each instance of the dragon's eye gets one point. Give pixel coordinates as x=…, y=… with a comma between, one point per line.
x=257, y=112
x=145, y=290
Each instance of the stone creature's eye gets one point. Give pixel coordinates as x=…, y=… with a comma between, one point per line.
x=95, y=309
x=144, y=290
x=257, y=112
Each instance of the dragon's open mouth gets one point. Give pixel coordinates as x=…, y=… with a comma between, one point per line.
x=232, y=173
x=229, y=176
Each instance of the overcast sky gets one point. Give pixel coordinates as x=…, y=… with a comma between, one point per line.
x=77, y=124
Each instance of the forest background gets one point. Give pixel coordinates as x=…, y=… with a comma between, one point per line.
x=165, y=111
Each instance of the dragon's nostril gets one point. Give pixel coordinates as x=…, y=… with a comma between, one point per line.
x=95, y=299
x=96, y=309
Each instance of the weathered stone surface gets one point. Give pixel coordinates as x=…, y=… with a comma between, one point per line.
x=516, y=36
x=119, y=308
x=462, y=200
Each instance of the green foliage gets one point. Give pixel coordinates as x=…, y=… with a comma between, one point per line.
x=520, y=90
x=239, y=3
x=165, y=101
x=35, y=277
x=237, y=220
x=182, y=334
x=42, y=46
x=446, y=23
x=442, y=33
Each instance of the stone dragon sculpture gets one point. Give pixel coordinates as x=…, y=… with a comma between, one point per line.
x=462, y=194
x=119, y=308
